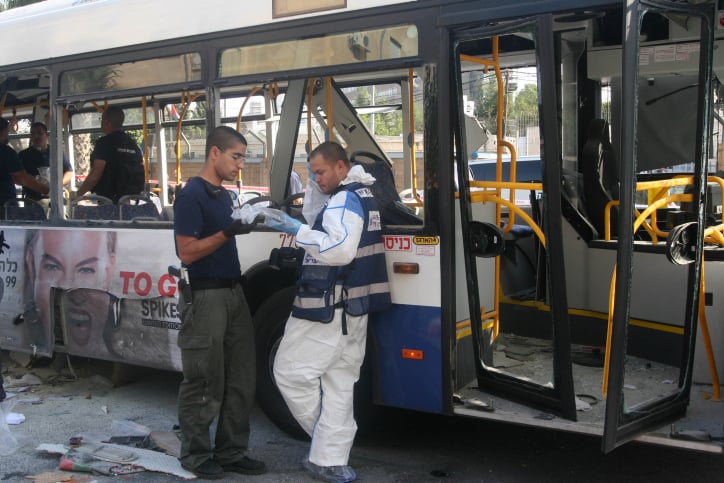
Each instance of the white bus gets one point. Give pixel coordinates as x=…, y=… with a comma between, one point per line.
x=584, y=310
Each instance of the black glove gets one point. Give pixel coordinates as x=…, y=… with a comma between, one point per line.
x=237, y=227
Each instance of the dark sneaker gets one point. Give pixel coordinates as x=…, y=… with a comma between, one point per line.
x=209, y=470
x=246, y=466
x=332, y=474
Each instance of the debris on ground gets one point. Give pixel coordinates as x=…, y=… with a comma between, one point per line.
x=141, y=458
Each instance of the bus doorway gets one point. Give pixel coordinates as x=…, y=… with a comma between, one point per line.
x=487, y=220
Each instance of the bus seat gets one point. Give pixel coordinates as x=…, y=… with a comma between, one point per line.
x=167, y=213
x=600, y=175
x=392, y=210
x=24, y=209
x=93, y=207
x=137, y=207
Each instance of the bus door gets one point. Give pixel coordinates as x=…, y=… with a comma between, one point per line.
x=488, y=216
x=627, y=412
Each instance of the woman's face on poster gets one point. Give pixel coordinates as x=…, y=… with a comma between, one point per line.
x=74, y=260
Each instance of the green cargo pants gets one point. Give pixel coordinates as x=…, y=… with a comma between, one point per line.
x=218, y=357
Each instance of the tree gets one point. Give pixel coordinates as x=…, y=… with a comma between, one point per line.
x=486, y=104
x=525, y=103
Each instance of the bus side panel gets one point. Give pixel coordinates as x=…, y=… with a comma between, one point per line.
x=12, y=279
x=412, y=379
x=99, y=291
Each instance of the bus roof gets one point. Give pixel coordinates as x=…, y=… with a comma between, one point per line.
x=56, y=28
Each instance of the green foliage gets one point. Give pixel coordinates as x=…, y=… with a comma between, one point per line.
x=526, y=102
x=486, y=104
x=387, y=123
x=8, y=4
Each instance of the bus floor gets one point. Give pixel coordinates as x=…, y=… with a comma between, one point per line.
x=531, y=359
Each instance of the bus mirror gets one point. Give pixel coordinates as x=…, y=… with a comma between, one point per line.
x=486, y=239
x=681, y=244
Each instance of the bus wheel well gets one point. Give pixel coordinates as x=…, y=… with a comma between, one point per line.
x=261, y=282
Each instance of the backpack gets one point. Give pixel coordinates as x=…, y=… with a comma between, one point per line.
x=130, y=174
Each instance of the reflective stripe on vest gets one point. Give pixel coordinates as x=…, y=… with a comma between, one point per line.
x=364, y=280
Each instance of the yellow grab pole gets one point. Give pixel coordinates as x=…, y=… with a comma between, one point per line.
x=413, y=155
x=146, y=167
x=330, y=123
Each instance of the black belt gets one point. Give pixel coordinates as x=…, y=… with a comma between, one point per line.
x=214, y=283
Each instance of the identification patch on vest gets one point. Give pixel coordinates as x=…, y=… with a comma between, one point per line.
x=364, y=193
x=309, y=260
x=375, y=223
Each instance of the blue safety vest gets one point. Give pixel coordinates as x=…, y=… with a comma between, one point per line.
x=364, y=281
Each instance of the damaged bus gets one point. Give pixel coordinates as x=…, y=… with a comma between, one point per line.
x=576, y=299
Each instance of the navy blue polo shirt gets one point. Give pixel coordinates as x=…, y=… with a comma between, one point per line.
x=9, y=163
x=200, y=210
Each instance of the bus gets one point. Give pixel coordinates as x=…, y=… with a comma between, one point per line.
x=585, y=309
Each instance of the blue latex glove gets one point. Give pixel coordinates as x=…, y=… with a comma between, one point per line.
x=287, y=224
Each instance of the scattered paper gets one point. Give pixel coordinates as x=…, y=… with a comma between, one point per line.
x=14, y=418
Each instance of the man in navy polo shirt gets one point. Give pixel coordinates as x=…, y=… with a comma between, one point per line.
x=12, y=172
x=217, y=334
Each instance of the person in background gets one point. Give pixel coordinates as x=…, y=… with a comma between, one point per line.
x=116, y=161
x=295, y=183
x=217, y=334
x=37, y=155
x=321, y=352
x=12, y=171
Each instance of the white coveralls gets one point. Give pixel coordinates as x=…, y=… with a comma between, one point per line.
x=317, y=366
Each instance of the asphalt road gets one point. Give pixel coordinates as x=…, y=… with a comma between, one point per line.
x=403, y=447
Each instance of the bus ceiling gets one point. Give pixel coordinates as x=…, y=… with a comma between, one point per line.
x=22, y=90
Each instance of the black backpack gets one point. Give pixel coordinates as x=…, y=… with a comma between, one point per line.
x=130, y=174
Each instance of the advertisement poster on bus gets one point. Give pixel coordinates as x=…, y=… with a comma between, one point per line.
x=98, y=289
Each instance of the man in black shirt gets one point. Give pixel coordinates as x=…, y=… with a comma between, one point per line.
x=37, y=155
x=12, y=172
x=116, y=161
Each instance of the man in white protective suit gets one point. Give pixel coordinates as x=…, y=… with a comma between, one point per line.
x=343, y=278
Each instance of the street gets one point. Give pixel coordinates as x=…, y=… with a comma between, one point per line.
x=402, y=447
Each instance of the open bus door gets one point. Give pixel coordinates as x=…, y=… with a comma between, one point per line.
x=627, y=416
x=479, y=218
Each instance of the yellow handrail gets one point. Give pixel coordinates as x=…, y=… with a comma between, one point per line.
x=330, y=123
x=186, y=100
x=243, y=105
x=146, y=167
x=662, y=187
x=238, y=123
x=501, y=143
x=485, y=196
x=711, y=234
x=413, y=155
x=310, y=96
x=512, y=175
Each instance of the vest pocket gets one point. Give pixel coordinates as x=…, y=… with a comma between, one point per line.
x=315, y=295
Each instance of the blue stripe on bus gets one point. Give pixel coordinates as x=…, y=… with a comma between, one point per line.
x=406, y=383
